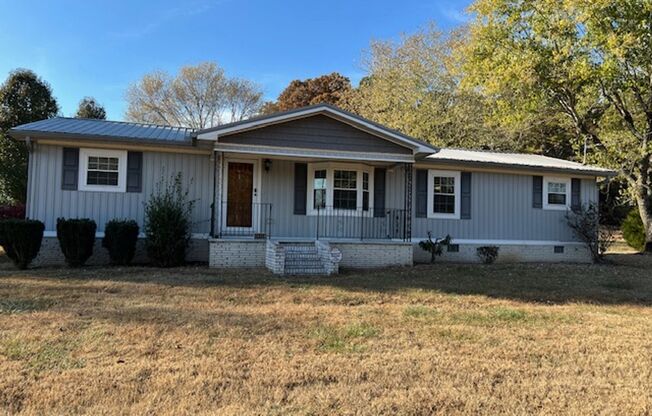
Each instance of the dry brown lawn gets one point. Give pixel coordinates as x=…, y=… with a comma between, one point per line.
x=451, y=339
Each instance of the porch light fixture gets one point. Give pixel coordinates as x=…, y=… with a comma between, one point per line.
x=267, y=163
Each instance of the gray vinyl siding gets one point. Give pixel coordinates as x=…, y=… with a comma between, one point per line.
x=501, y=208
x=316, y=132
x=46, y=201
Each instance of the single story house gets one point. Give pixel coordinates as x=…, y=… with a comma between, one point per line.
x=308, y=190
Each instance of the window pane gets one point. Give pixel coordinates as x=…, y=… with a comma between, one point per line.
x=365, y=181
x=443, y=185
x=345, y=179
x=443, y=204
x=96, y=177
x=365, y=201
x=319, y=198
x=320, y=179
x=557, y=199
x=557, y=187
x=345, y=199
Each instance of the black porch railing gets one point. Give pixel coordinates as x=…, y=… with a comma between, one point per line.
x=245, y=220
x=361, y=224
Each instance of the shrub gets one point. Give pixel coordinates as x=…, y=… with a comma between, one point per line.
x=585, y=224
x=21, y=240
x=120, y=237
x=167, y=223
x=435, y=247
x=487, y=254
x=12, y=211
x=633, y=230
x=76, y=239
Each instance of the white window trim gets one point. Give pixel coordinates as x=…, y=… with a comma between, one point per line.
x=431, y=194
x=556, y=207
x=330, y=167
x=122, y=170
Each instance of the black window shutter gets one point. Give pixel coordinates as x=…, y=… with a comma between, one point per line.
x=576, y=194
x=70, y=169
x=300, y=188
x=465, y=203
x=379, y=192
x=135, y=172
x=421, y=201
x=537, y=192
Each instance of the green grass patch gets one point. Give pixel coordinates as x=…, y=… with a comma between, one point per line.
x=52, y=355
x=13, y=306
x=420, y=311
x=349, y=338
x=494, y=316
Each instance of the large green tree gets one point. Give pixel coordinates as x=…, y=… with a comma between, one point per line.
x=590, y=61
x=90, y=108
x=413, y=85
x=329, y=89
x=24, y=98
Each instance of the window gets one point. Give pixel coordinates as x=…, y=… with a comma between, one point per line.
x=443, y=194
x=557, y=193
x=102, y=170
x=319, y=189
x=365, y=191
x=345, y=190
x=339, y=186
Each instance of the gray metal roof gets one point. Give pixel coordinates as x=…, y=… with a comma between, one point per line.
x=512, y=160
x=59, y=127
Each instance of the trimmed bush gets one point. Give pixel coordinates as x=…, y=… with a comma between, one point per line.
x=167, y=223
x=12, y=211
x=76, y=239
x=120, y=237
x=487, y=254
x=633, y=230
x=21, y=240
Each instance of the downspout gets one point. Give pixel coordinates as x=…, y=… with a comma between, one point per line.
x=214, y=193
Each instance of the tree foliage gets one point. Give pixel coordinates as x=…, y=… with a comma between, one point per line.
x=587, y=61
x=24, y=98
x=90, y=108
x=329, y=89
x=198, y=96
x=413, y=85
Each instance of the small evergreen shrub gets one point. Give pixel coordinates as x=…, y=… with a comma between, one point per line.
x=487, y=254
x=76, y=239
x=21, y=240
x=633, y=230
x=120, y=237
x=167, y=223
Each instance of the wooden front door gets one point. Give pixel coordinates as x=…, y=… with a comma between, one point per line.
x=240, y=191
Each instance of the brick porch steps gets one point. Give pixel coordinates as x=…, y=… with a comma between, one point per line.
x=302, y=259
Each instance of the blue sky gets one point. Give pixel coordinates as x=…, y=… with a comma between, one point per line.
x=98, y=48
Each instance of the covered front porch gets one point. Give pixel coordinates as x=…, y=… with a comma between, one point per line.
x=264, y=197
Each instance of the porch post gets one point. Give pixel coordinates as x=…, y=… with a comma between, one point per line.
x=216, y=206
x=407, y=205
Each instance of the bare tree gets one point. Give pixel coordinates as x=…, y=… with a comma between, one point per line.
x=198, y=96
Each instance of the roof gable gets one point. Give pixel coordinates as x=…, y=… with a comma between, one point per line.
x=415, y=146
x=315, y=132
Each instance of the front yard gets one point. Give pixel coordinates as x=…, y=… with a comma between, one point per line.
x=446, y=338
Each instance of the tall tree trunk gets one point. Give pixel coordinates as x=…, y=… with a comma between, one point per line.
x=645, y=210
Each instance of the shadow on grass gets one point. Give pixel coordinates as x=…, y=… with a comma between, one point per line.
x=627, y=279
